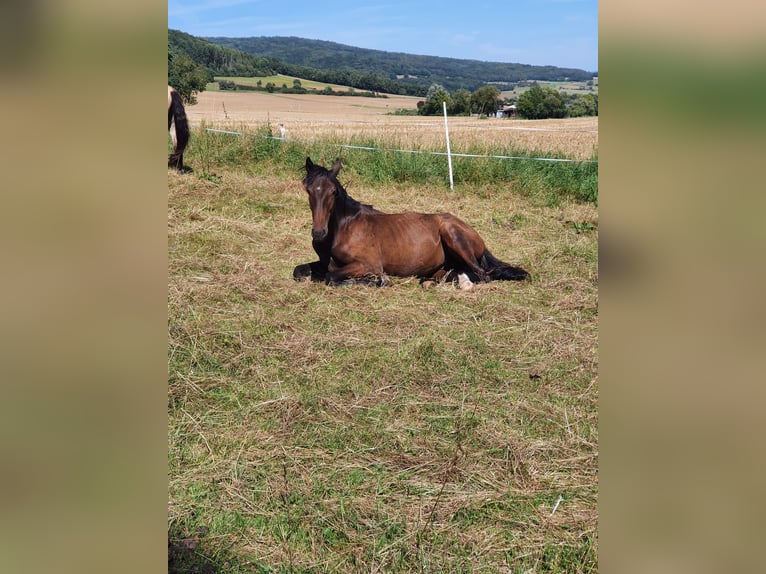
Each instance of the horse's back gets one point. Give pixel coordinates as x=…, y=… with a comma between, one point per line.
x=408, y=227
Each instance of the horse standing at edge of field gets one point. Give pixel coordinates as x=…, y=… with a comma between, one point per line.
x=359, y=244
x=178, y=127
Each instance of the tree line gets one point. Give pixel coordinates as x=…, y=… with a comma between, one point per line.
x=296, y=88
x=400, y=68
x=538, y=102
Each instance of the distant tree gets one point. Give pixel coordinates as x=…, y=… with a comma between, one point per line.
x=585, y=105
x=484, y=100
x=187, y=77
x=296, y=83
x=434, y=97
x=461, y=103
x=540, y=103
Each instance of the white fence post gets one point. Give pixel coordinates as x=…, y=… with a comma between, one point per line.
x=449, y=154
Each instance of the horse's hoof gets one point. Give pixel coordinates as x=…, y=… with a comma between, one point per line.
x=463, y=282
x=344, y=283
x=428, y=284
x=302, y=272
x=383, y=281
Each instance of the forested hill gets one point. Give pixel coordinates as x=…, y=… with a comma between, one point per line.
x=219, y=60
x=407, y=69
x=224, y=61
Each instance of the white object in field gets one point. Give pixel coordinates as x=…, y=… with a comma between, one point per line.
x=449, y=155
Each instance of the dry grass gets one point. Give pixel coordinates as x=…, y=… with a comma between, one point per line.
x=379, y=430
x=312, y=118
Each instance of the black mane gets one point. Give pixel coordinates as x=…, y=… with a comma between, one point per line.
x=350, y=205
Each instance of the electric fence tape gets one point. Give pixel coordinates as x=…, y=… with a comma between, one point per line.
x=369, y=148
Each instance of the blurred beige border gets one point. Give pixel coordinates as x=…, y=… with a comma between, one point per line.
x=680, y=308
x=83, y=306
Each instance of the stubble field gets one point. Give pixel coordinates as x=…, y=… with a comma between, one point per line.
x=313, y=118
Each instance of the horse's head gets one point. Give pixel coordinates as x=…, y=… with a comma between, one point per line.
x=323, y=188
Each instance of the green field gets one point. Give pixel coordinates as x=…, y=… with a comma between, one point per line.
x=277, y=80
x=360, y=429
x=577, y=88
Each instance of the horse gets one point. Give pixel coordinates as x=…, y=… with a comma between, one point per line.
x=178, y=127
x=357, y=243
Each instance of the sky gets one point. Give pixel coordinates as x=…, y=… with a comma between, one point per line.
x=561, y=33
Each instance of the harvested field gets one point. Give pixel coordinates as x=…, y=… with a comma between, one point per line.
x=341, y=118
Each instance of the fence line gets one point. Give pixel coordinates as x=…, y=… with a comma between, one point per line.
x=369, y=148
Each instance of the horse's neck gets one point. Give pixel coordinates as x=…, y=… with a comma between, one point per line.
x=350, y=206
x=345, y=205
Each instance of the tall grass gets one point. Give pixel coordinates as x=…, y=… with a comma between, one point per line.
x=389, y=160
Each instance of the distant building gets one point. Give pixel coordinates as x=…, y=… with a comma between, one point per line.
x=507, y=112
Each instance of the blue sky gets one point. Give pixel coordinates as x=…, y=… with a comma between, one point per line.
x=539, y=32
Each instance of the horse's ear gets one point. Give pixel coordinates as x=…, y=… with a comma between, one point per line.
x=336, y=168
x=309, y=164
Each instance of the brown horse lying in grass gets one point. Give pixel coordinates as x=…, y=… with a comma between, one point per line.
x=359, y=244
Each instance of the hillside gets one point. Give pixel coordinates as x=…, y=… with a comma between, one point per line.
x=406, y=69
x=219, y=60
x=226, y=61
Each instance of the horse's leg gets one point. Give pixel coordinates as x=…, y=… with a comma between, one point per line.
x=356, y=272
x=316, y=270
x=173, y=137
x=463, y=282
x=440, y=276
x=463, y=244
x=173, y=158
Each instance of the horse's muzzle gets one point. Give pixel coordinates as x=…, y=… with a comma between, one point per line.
x=318, y=234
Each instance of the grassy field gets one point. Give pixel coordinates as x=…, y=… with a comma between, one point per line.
x=277, y=80
x=355, y=429
x=577, y=88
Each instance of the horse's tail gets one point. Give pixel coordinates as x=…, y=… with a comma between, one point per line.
x=501, y=271
x=177, y=115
